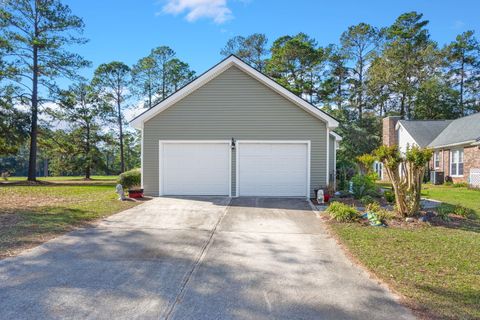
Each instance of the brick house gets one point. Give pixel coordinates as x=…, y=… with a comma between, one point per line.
x=456, y=144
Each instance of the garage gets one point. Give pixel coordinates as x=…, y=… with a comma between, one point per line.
x=273, y=168
x=194, y=167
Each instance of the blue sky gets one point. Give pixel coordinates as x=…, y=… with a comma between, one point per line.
x=126, y=30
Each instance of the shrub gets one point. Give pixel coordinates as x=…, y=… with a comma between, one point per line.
x=363, y=185
x=464, y=212
x=382, y=214
x=373, y=207
x=385, y=215
x=460, y=185
x=366, y=200
x=342, y=212
x=444, y=210
x=389, y=196
x=130, y=179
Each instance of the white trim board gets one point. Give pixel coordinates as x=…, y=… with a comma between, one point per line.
x=237, y=153
x=213, y=73
x=160, y=159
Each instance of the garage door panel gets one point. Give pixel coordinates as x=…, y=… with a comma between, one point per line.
x=195, y=168
x=272, y=169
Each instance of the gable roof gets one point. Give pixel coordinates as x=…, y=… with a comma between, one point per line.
x=424, y=131
x=216, y=70
x=459, y=131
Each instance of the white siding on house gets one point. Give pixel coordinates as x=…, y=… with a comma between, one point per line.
x=405, y=140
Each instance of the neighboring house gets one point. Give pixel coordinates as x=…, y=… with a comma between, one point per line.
x=456, y=143
x=234, y=131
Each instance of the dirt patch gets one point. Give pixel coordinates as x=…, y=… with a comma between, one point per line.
x=12, y=202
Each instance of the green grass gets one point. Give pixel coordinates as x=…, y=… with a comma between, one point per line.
x=435, y=268
x=469, y=198
x=65, y=178
x=30, y=215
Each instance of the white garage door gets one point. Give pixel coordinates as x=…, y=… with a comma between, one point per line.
x=272, y=169
x=194, y=168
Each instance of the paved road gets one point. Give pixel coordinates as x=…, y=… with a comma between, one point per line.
x=197, y=258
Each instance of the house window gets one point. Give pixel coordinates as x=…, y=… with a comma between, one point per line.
x=456, y=163
x=436, y=159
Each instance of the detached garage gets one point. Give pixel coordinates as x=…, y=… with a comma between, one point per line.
x=235, y=132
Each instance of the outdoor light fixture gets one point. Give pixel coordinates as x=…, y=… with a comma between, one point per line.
x=233, y=143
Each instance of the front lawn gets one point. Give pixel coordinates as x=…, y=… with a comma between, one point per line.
x=436, y=268
x=30, y=215
x=469, y=198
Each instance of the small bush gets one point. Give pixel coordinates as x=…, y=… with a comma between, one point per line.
x=363, y=185
x=389, y=196
x=373, y=207
x=130, y=179
x=444, y=210
x=382, y=214
x=460, y=185
x=342, y=212
x=464, y=212
x=366, y=200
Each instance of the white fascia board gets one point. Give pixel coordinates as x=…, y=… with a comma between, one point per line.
x=458, y=144
x=217, y=70
x=336, y=136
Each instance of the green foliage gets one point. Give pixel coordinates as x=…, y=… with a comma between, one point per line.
x=366, y=161
x=366, y=200
x=389, y=196
x=159, y=74
x=363, y=185
x=460, y=185
x=130, y=179
x=382, y=214
x=342, y=212
x=252, y=49
x=444, y=210
x=295, y=62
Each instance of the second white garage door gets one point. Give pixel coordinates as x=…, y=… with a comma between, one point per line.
x=273, y=168
x=195, y=167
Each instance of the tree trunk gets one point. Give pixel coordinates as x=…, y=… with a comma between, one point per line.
x=87, y=153
x=120, y=126
x=32, y=159
x=462, y=80
x=402, y=106
x=360, y=92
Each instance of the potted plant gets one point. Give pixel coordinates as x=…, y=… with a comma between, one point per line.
x=131, y=180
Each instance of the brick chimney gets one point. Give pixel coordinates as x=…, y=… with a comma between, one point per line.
x=389, y=135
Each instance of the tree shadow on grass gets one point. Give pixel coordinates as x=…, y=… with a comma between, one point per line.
x=460, y=303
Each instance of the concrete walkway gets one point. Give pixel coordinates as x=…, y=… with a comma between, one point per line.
x=197, y=258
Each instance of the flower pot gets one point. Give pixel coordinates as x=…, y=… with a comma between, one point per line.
x=326, y=197
x=135, y=193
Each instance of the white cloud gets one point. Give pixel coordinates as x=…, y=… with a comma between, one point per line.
x=217, y=10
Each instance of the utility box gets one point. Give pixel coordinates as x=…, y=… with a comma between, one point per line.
x=437, y=177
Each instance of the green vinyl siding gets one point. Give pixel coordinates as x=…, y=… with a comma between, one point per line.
x=234, y=105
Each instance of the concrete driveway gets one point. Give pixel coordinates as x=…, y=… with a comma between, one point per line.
x=197, y=258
